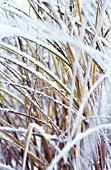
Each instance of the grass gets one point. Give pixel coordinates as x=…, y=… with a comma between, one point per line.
x=55, y=85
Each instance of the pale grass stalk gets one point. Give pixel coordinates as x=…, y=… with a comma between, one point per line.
x=77, y=139
x=71, y=100
x=28, y=137
x=87, y=96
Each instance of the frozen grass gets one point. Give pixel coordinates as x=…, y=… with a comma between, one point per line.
x=55, y=81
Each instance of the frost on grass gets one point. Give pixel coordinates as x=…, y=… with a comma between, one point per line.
x=55, y=109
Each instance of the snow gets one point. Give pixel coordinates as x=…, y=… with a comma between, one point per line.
x=5, y=167
x=9, y=129
x=7, y=31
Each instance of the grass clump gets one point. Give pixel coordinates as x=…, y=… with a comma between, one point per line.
x=55, y=85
